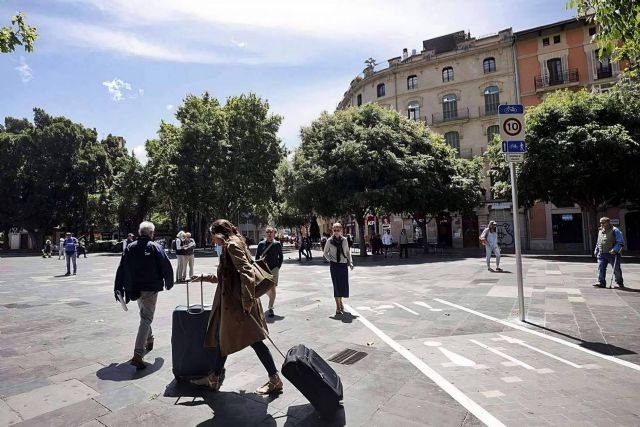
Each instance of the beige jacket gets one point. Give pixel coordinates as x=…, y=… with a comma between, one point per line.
x=331, y=251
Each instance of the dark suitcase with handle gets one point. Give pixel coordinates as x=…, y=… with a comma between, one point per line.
x=188, y=329
x=315, y=379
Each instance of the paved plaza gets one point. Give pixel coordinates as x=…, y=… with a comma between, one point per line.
x=442, y=341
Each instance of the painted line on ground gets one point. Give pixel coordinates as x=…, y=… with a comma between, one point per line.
x=545, y=336
x=504, y=355
x=425, y=305
x=530, y=347
x=477, y=410
x=406, y=309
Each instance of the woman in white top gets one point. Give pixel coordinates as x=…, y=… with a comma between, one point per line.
x=337, y=252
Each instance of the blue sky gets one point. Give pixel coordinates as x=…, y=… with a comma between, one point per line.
x=122, y=66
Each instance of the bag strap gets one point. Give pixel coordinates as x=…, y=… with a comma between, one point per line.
x=267, y=250
x=267, y=335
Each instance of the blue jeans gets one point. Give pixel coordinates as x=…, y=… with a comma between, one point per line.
x=71, y=257
x=603, y=261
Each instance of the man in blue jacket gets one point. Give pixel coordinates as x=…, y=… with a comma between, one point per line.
x=271, y=250
x=610, y=243
x=144, y=271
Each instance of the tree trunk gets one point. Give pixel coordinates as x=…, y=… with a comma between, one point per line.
x=363, y=246
x=423, y=230
x=590, y=215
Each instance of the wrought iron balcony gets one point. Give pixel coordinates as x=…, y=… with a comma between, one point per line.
x=604, y=72
x=556, y=79
x=488, y=110
x=449, y=116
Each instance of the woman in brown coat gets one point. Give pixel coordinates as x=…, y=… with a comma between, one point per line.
x=231, y=327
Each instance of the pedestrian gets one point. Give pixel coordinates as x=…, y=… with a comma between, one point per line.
x=237, y=320
x=271, y=250
x=82, y=249
x=308, y=245
x=489, y=239
x=404, y=243
x=387, y=241
x=130, y=238
x=70, y=245
x=610, y=243
x=144, y=271
x=61, y=248
x=188, y=246
x=337, y=252
x=302, y=244
x=46, y=249
x=180, y=270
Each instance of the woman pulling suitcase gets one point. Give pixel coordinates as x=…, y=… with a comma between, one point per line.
x=231, y=327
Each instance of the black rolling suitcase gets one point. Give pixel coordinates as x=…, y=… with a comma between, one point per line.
x=313, y=377
x=188, y=330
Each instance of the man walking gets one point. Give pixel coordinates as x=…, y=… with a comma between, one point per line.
x=70, y=245
x=404, y=243
x=61, y=248
x=489, y=239
x=144, y=271
x=180, y=270
x=387, y=241
x=610, y=243
x=130, y=238
x=271, y=250
x=188, y=246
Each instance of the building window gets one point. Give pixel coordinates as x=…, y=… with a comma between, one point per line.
x=380, y=90
x=449, y=107
x=413, y=111
x=603, y=66
x=453, y=139
x=554, y=66
x=489, y=65
x=592, y=31
x=359, y=99
x=545, y=41
x=556, y=39
x=412, y=82
x=491, y=100
x=491, y=132
x=447, y=74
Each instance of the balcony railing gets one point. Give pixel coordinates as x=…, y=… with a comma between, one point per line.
x=562, y=78
x=488, y=110
x=604, y=72
x=449, y=116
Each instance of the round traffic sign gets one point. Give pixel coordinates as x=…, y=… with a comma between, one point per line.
x=512, y=126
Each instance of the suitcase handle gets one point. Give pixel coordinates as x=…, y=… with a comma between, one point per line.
x=267, y=334
x=195, y=310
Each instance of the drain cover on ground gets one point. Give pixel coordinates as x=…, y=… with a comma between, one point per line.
x=347, y=356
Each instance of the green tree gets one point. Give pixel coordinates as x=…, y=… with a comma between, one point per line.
x=132, y=190
x=17, y=34
x=369, y=159
x=618, y=27
x=580, y=150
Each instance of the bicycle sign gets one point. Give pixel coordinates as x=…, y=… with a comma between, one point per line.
x=511, y=124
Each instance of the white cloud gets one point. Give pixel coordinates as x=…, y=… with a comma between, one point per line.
x=238, y=44
x=25, y=72
x=141, y=153
x=169, y=106
x=120, y=90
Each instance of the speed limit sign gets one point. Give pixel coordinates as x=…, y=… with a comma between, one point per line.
x=511, y=124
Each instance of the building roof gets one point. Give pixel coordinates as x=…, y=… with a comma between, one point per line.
x=445, y=43
x=548, y=26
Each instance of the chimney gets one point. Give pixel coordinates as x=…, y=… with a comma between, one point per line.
x=405, y=53
x=413, y=52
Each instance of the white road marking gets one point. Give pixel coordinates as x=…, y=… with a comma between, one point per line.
x=501, y=354
x=540, y=334
x=425, y=305
x=477, y=410
x=530, y=347
x=454, y=358
x=406, y=309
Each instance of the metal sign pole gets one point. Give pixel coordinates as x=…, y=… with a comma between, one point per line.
x=516, y=231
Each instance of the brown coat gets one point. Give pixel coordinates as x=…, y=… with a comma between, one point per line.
x=235, y=286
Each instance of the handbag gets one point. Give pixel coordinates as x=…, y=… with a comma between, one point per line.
x=263, y=277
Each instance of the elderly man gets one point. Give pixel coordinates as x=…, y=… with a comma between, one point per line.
x=610, y=243
x=188, y=246
x=143, y=272
x=271, y=250
x=489, y=239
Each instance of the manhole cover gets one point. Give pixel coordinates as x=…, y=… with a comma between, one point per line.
x=347, y=356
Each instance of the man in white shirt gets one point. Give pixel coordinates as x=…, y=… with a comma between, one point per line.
x=489, y=239
x=387, y=241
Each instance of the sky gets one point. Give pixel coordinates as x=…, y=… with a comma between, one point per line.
x=123, y=66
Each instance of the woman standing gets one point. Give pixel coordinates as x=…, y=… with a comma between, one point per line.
x=337, y=252
x=231, y=327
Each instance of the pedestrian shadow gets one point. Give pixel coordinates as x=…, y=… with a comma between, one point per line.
x=61, y=275
x=626, y=289
x=607, y=349
x=127, y=372
x=345, y=317
x=306, y=415
x=274, y=318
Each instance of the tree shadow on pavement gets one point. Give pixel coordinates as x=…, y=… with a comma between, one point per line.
x=126, y=372
x=607, y=349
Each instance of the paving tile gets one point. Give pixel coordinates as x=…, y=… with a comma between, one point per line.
x=125, y=396
x=78, y=413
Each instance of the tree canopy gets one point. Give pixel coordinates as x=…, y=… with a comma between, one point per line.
x=17, y=34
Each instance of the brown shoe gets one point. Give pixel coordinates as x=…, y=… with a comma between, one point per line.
x=138, y=362
x=273, y=386
x=210, y=382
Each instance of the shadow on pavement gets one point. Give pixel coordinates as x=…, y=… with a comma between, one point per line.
x=599, y=347
x=626, y=259
x=345, y=317
x=305, y=415
x=626, y=289
x=274, y=318
x=126, y=372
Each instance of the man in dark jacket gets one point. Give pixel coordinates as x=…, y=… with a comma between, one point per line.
x=144, y=271
x=271, y=250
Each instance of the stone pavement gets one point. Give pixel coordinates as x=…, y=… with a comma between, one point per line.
x=427, y=324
